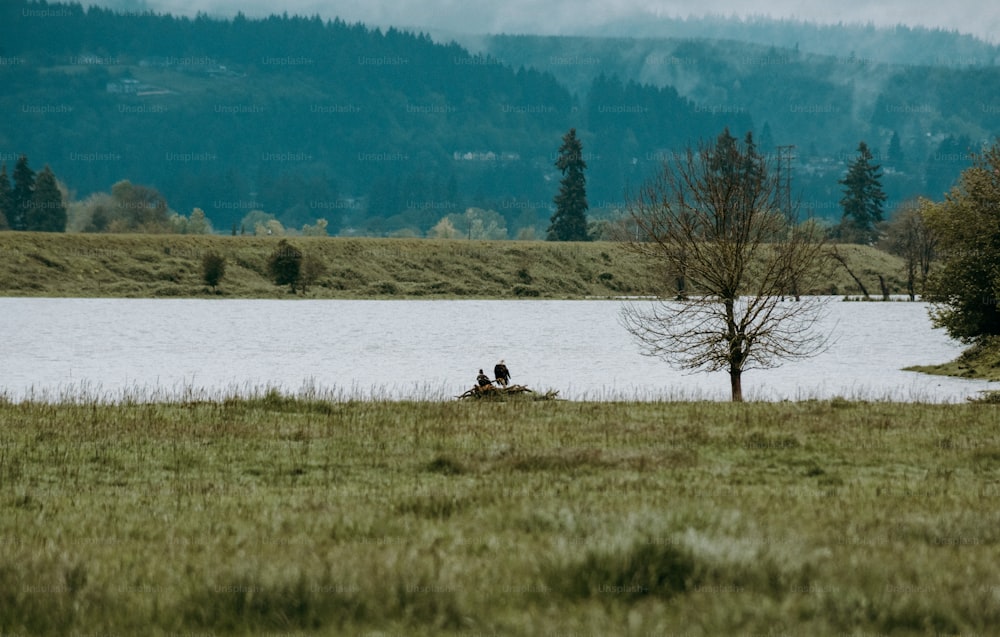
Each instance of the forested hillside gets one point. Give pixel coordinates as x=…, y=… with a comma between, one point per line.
x=387, y=132
x=296, y=116
x=900, y=44
x=921, y=121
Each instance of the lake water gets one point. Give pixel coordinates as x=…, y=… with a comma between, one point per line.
x=109, y=348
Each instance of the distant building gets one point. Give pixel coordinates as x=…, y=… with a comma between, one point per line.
x=156, y=62
x=124, y=86
x=96, y=60
x=488, y=155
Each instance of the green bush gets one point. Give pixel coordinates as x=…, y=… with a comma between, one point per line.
x=285, y=265
x=213, y=269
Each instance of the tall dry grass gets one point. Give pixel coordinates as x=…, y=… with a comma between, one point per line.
x=304, y=515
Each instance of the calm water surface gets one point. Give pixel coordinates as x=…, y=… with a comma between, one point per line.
x=430, y=349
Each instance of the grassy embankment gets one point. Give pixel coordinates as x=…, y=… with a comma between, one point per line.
x=981, y=360
x=69, y=265
x=308, y=517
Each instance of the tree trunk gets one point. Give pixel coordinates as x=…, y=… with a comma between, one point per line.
x=885, y=288
x=840, y=259
x=911, y=283
x=736, y=385
x=736, y=353
x=925, y=269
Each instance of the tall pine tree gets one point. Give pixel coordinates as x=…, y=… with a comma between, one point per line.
x=46, y=212
x=5, y=198
x=569, y=221
x=24, y=189
x=725, y=158
x=863, y=198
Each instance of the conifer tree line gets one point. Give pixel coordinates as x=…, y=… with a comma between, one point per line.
x=30, y=201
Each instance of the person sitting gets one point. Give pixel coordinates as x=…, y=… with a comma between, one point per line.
x=483, y=380
x=501, y=373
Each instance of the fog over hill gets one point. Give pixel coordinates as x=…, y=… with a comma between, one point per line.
x=618, y=18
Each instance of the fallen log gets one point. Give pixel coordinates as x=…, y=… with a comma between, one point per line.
x=499, y=392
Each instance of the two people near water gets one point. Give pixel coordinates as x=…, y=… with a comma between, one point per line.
x=500, y=373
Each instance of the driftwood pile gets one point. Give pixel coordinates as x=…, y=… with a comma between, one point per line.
x=500, y=392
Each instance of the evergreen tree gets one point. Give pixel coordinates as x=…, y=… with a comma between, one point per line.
x=5, y=198
x=863, y=198
x=46, y=212
x=730, y=163
x=725, y=158
x=569, y=221
x=752, y=162
x=24, y=187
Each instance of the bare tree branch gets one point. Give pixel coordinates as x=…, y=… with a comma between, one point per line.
x=712, y=218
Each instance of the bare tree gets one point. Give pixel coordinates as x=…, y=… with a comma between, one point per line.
x=312, y=270
x=909, y=237
x=712, y=217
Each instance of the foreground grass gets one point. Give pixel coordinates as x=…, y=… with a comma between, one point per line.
x=281, y=516
x=82, y=265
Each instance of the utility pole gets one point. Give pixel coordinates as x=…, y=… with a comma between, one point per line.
x=785, y=157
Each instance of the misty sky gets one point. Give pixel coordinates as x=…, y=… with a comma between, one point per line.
x=978, y=17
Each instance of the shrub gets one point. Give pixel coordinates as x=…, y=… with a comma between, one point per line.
x=446, y=465
x=213, y=269
x=388, y=288
x=312, y=270
x=284, y=266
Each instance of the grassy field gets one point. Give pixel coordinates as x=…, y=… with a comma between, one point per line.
x=281, y=516
x=81, y=265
